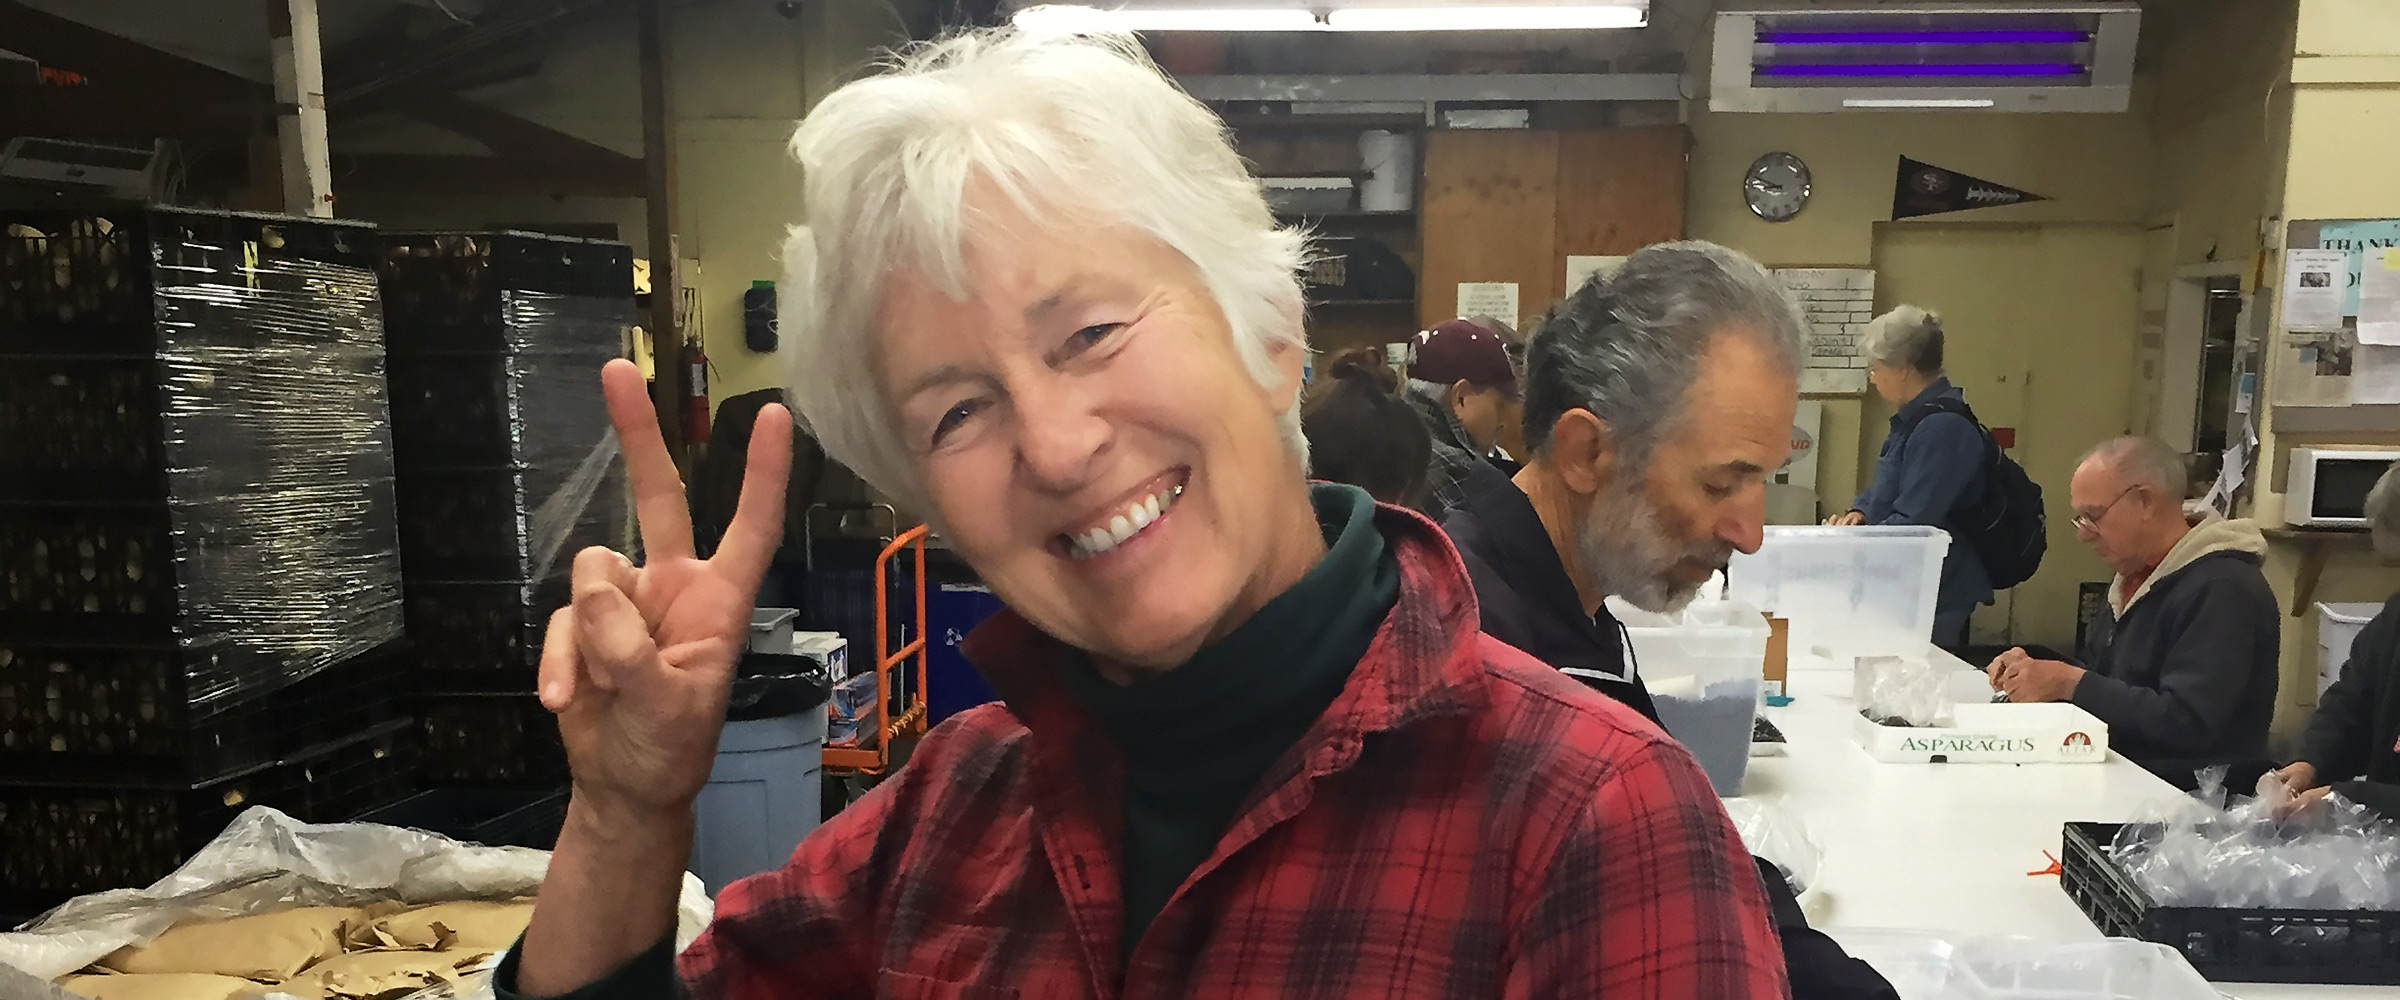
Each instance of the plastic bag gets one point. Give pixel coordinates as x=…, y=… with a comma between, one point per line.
x=1902, y=691
x=1773, y=833
x=266, y=861
x=2213, y=850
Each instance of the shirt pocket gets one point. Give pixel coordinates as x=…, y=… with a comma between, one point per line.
x=890, y=985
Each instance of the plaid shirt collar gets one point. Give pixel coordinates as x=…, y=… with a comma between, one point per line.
x=1436, y=610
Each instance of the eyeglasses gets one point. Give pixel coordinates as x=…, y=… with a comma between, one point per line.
x=2085, y=521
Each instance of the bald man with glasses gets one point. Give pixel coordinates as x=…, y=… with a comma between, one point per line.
x=2184, y=672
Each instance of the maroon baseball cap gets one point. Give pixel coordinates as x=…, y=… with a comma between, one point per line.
x=1462, y=350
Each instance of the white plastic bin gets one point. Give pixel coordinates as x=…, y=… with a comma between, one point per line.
x=2337, y=627
x=1705, y=671
x=1866, y=591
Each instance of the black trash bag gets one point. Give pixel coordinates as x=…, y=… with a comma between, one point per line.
x=776, y=685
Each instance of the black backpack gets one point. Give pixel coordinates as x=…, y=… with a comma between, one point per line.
x=2006, y=525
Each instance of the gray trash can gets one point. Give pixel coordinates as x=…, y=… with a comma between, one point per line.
x=765, y=793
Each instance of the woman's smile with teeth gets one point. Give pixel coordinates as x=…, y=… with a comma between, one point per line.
x=1123, y=525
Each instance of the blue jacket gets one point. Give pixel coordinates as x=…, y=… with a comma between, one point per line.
x=1925, y=473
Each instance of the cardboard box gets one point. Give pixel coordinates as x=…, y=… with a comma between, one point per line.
x=1779, y=651
x=829, y=649
x=2055, y=733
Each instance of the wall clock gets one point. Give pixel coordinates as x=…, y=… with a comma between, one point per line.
x=1776, y=187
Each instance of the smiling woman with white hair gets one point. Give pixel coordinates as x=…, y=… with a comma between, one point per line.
x=1933, y=462
x=1252, y=743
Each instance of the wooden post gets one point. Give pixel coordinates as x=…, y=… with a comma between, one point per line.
x=298, y=55
x=658, y=174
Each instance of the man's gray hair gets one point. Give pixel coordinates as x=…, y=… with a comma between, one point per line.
x=2145, y=461
x=1908, y=338
x=2383, y=513
x=1628, y=347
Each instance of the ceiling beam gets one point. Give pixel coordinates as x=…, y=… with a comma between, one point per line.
x=380, y=68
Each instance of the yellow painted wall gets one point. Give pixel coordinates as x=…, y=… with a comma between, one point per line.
x=1973, y=267
x=2344, y=133
x=2050, y=365
x=743, y=76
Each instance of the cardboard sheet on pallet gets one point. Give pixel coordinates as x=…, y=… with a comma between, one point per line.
x=267, y=862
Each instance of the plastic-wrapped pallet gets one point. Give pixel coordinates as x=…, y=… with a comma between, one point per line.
x=506, y=463
x=195, y=452
x=507, y=467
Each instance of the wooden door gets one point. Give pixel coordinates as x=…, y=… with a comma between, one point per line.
x=1512, y=204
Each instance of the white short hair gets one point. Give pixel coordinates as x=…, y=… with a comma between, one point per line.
x=1075, y=131
x=1907, y=337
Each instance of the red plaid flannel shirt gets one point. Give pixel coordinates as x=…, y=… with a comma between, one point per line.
x=1462, y=822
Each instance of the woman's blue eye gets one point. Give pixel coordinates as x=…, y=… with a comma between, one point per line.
x=1091, y=336
x=956, y=416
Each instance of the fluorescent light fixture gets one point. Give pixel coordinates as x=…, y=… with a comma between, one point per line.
x=1917, y=102
x=1851, y=70
x=1577, y=17
x=1973, y=36
x=1069, y=18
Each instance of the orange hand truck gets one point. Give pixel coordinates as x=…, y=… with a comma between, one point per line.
x=875, y=759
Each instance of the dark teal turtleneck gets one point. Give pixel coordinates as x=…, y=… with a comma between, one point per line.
x=1198, y=739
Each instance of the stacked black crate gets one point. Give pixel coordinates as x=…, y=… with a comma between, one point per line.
x=199, y=580
x=507, y=468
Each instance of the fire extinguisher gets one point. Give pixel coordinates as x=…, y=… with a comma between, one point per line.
x=695, y=392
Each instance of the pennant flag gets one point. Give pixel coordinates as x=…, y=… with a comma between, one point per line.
x=1925, y=189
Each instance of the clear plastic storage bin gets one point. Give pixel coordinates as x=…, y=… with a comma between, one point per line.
x=1848, y=592
x=1705, y=670
x=1925, y=966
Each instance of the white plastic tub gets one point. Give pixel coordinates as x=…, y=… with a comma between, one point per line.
x=2338, y=626
x=1924, y=966
x=1866, y=591
x=1705, y=672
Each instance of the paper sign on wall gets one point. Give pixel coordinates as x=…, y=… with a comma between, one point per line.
x=1836, y=303
x=1497, y=299
x=2379, y=299
x=2314, y=285
x=1581, y=268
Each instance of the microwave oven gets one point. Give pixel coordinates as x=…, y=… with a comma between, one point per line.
x=2327, y=487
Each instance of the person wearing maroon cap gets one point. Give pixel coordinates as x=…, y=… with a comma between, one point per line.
x=1464, y=384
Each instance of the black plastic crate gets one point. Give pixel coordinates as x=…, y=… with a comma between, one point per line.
x=451, y=410
x=491, y=739
x=120, y=714
x=2353, y=947
x=499, y=817
x=479, y=628
x=479, y=524
x=79, y=427
x=447, y=291
x=74, y=271
x=464, y=524
x=78, y=571
x=87, y=281
x=58, y=841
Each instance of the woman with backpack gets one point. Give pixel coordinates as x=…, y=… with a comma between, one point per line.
x=1934, y=462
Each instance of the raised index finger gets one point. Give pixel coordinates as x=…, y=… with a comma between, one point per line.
x=658, y=501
